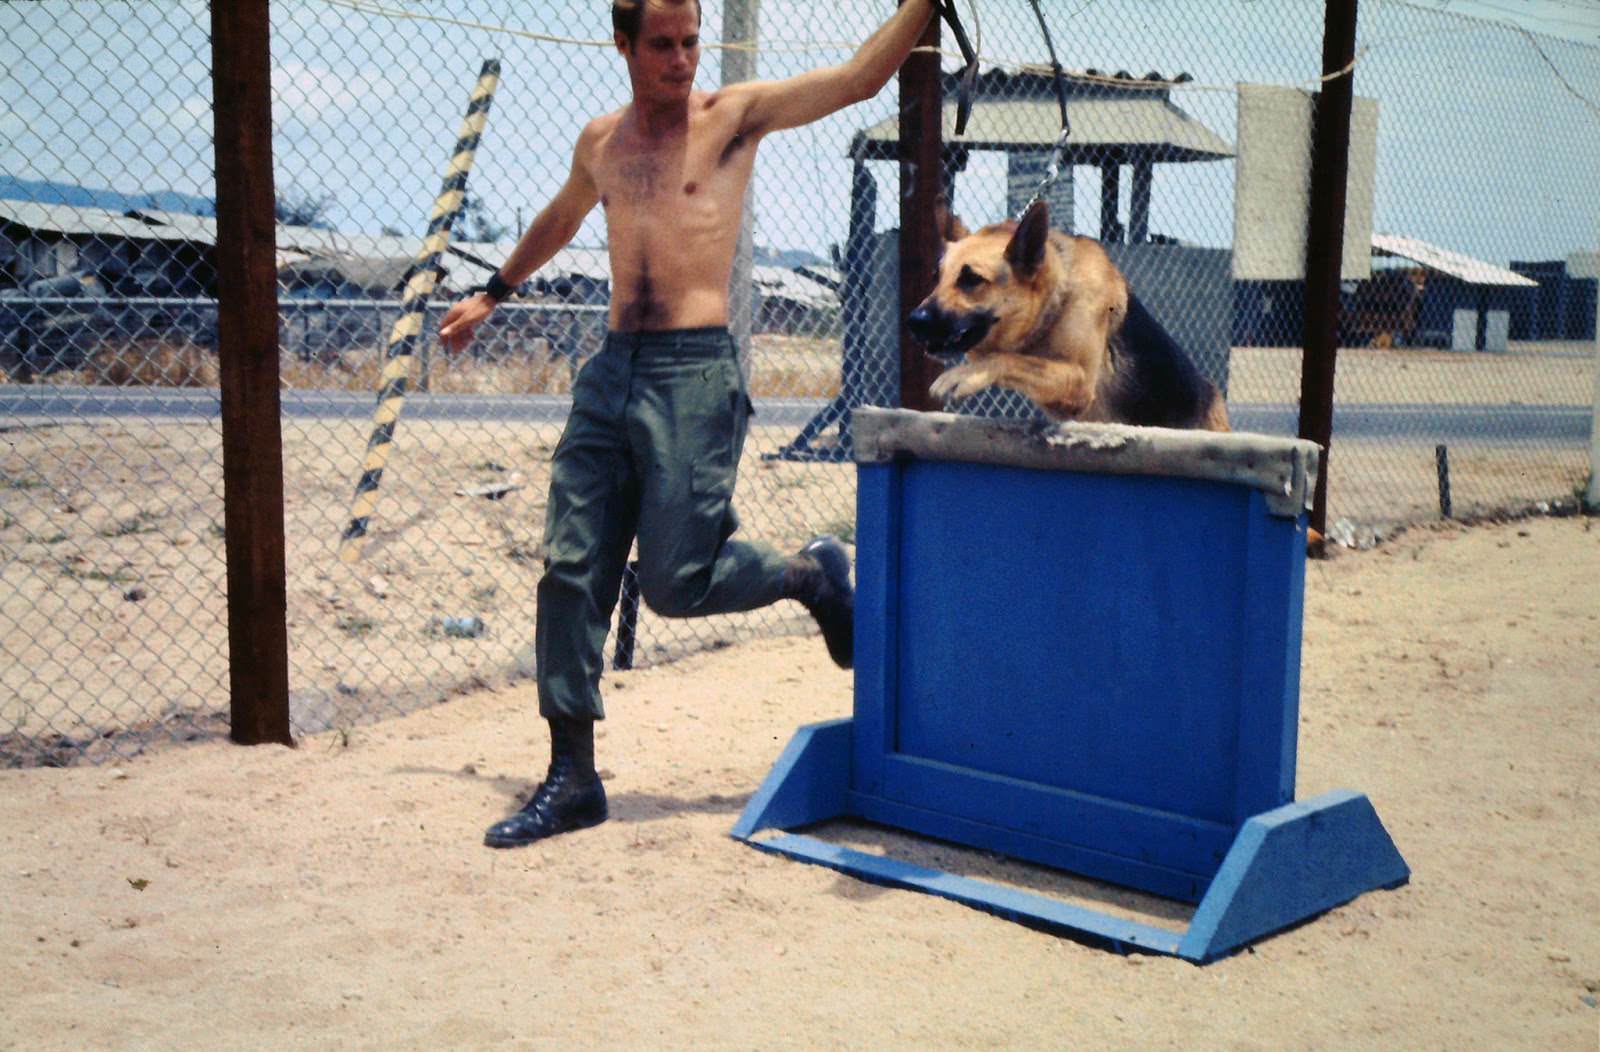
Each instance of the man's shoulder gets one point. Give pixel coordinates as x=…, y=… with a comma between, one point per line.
x=604, y=124
x=595, y=134
x=725, y=108
x=733, y=93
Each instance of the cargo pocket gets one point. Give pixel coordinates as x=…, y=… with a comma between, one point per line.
x=709, y=480
x=711, y=486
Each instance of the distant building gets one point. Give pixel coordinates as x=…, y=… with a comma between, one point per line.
x=1563, y=307
x=1118, y=121
x=788, y=300
x=1126, y=127
x=1418, y=294
x=74, y=277
x=362, y=278
x=109, y=253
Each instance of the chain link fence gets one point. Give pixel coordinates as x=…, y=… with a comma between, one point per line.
x=1469, y=305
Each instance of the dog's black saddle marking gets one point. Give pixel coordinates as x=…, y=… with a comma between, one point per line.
x=1155, y=382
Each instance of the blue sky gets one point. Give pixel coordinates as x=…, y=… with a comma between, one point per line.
x=1481, y=146
x=1577, y=20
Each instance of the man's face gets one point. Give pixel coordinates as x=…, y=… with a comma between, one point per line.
x=663, y=61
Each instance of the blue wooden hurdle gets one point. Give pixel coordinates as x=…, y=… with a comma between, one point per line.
x=1081, y=647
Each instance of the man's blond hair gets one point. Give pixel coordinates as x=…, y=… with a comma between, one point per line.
x=628, y=15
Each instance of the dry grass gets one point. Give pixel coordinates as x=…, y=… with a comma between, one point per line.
x=359, y=371
x=809, y=367
x=142, y=363
x=793, y=382
x=782, y=367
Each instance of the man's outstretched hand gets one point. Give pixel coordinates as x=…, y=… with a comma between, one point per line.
x=461, y=322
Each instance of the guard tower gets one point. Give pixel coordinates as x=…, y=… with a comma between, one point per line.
x=1118, y=122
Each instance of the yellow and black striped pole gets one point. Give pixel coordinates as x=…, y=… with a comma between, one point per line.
x=407, y=331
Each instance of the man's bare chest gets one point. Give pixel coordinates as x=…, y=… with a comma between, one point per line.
x=694, y=170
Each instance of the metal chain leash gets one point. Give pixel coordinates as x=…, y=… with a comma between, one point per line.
x=1058, y=152
x=969, y=76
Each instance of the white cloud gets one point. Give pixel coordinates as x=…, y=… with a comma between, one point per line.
x=190, y=117
x=309, y=95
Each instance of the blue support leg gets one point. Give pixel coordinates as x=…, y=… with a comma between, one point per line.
x=1292, y=863
x=807, y=784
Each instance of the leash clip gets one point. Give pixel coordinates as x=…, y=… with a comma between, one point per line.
x=1058, y=153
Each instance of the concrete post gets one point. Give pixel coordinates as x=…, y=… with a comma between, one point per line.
x=739, y=26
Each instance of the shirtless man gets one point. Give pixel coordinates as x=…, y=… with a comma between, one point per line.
x=659, y=414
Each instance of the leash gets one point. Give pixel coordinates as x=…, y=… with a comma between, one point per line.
x=969, y=54
x=1059, y=152
x=969, y=79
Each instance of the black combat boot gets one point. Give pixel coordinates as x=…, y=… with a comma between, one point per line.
x=819, y=577
x=570, y=797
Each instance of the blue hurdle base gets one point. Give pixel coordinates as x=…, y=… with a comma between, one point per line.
x=1285, y=865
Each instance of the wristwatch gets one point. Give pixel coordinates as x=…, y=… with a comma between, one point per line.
x=496, y=288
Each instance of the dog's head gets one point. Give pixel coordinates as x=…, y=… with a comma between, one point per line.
x=990, y=287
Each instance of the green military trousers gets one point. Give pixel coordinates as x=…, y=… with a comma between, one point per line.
x=651, y=449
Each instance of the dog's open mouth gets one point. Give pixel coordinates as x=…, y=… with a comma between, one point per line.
x=947, y=337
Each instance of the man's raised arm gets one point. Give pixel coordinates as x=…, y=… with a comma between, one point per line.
x=777, y=104
x=550, y=230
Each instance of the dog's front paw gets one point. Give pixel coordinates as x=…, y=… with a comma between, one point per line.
x=972, y=384
x=963, y=381
x=944, y=385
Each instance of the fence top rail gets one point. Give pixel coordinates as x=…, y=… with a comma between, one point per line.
x=285, y=302
x=95, y=301
x=435, y=304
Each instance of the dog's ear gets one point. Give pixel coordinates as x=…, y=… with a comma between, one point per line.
x=1026, y=250
x=949, y=226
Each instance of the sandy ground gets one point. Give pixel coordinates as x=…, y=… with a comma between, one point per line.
x=336, y=895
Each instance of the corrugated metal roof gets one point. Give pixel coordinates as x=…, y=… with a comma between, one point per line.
x=372, y=274
x=1151, y=127
x=592, y=263
x=823, y=273
x=595, y=264
x=476, y=259
x=178, y=226
x=74, y=220
x=792, y=285
x=572, y=261
x=339, y=244
x=491, y=253
x=1472, y=271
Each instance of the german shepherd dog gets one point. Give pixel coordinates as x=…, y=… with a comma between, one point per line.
x=1051, y=316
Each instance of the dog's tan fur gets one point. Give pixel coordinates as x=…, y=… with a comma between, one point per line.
x=1057, y=302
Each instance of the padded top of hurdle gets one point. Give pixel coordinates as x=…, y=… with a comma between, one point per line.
x=1283, y=469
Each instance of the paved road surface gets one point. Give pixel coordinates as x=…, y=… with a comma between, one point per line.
x=1432, y=423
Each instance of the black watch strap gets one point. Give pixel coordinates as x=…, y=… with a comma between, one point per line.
x=496, y=288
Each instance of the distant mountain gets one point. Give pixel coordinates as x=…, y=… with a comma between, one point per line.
x=46, y=192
